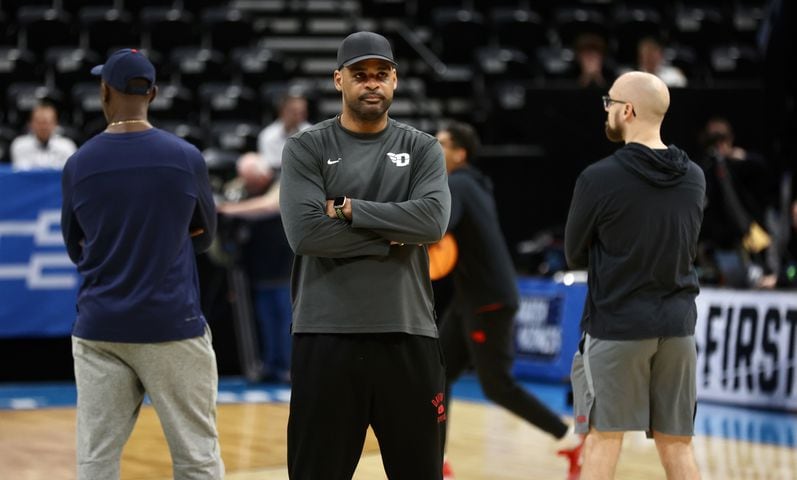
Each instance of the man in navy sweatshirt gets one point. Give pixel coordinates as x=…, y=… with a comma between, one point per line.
x=633, y=224
x=137, y=208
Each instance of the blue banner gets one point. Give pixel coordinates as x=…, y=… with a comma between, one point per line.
x=38, y=282
x=547, y=328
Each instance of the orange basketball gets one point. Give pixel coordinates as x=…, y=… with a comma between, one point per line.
x=443, y=256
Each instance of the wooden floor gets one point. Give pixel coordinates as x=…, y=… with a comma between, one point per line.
x=486, y=443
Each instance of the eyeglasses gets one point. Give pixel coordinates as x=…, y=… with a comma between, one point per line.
x=607, y=102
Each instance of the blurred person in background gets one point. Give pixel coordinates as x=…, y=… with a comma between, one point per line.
x=593, y=68
x=650, y=59
x=291, y=118
x=739, y=188
x=42, y=146
x=252, y=199
x=477, y=327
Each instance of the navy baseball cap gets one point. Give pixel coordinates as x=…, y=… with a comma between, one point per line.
x=123, y=66
x=362, y=46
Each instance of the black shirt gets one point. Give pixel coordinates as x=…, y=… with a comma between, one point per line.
x=634, y=222
x=484, y=275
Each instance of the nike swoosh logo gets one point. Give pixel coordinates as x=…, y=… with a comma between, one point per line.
x=331, y=162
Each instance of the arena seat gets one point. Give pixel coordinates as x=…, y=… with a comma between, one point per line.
x=457, y=34
x=18, y=65
x=103, y=28
x=255, y=65
x=570, y=22
x=41, y=27
x=167, y=28
x=228, y=101
x=519, y=28
x=68, y=65
x=226, y=28
x=734, y=63
x=175, y=102
x=501, y=63
x=193, y=65
x=556, y=62
x=702, y=27
x=189, y=132
x=235, y=135
x=8, y=30
x=631, y=24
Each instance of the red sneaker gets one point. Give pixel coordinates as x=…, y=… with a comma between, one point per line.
x=448, y=473
x=573, y=456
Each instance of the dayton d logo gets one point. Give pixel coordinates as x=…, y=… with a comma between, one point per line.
x=400, y=159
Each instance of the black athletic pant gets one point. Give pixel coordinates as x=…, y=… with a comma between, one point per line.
x=343, y=383
x=485, y=340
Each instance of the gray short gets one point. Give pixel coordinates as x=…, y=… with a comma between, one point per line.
x=627, y=385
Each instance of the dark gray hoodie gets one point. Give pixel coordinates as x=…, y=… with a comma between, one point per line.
x=634, y=222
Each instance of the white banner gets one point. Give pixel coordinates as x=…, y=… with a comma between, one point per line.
x=746, y=347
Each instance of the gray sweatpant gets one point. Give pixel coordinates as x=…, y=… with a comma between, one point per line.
x=181, y=380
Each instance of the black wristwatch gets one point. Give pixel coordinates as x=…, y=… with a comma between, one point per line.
x=338, y=205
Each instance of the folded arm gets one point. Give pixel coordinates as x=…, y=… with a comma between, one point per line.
x=310, y=231
x=423, y=218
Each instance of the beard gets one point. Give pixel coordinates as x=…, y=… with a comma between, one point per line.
x=368, y=112
x=614, y=135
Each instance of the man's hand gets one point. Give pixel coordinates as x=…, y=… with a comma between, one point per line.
x=261, y=206
x=226, y=208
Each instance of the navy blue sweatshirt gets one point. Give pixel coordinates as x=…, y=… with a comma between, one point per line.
x=634, y=222
x=129, y=202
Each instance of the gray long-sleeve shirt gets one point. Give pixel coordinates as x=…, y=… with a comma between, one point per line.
x=347, y=278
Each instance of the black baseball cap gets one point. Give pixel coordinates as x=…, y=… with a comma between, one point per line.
x=362, y=46
x=123, y=66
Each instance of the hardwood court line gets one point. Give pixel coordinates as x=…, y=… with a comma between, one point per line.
x=486, y=443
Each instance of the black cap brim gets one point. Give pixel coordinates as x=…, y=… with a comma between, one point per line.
x=368, y=57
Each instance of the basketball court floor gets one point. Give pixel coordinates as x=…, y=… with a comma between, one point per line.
x=486, y=442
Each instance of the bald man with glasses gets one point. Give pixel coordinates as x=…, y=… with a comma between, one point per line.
x=633, y=224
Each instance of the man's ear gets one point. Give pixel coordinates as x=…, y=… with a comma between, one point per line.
x=460, y=155
x=628, y=110
x=105, y=93
x=153, y=94
x=337, y=77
